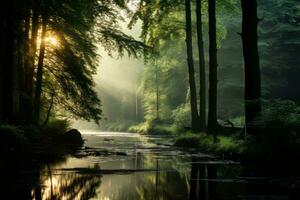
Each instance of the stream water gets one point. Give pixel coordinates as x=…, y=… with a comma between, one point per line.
x=125, y=166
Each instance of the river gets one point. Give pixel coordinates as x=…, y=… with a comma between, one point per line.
x=127, y=166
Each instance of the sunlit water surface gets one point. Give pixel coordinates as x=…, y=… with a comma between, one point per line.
x=126, y=166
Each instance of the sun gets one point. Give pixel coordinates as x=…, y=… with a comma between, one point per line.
x=52, y=40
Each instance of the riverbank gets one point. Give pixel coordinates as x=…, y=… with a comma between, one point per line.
x=281, y=148
x=224, y=146
x=29, y=142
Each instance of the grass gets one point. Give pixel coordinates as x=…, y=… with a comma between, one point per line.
x=118, y=126
x=203, y=142
x=153, y=128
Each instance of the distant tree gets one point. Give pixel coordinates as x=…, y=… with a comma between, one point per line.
x=279, y=34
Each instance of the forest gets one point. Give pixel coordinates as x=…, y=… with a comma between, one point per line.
x=142, y=92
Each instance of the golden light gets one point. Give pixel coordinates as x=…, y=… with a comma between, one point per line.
x=52, y=40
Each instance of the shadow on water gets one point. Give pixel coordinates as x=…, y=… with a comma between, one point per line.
x=120, y=168
x=35, y=183
x=220, y=181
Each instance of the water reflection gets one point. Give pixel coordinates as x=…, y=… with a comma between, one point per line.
x=202, y=184
x=68, y=186
x=143, y=170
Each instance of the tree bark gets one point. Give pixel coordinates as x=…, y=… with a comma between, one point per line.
x=202, y=76
x=7, y=79
x=213, y=72
x=39, y=77
x=2, y=57
x=191, y=70
x=29, y=67
x=24, y=54
x=49, y=111
x=157, y=91
x=251, y=64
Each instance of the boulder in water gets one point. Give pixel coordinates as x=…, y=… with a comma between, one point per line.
x=73, y=137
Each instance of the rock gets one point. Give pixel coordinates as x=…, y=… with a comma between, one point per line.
x=73, y=137
x=121, y=154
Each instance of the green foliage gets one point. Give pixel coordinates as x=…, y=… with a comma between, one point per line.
x=139, y=128
x=279, y=43
x=14, y=132
x=153, y=127
x=68, y=66
x=182, y=117
x=164, y=28
x=118, y=126
x=99, y=25
x=56, y=127
x=281, y=114
x=206, y=143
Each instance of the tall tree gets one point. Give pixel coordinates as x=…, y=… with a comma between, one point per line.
x=251, y=63
x=202, y=76
x=27, y=107
x=191, y=70
x=7, y=79
x=213, y=65
x=157, y=71
x=39, y=76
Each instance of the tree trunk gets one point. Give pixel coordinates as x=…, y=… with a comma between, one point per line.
x=251, y=62
x=191, y=71
x=39, y=76
x=157, y=91
x=213, y=73
x=7, y=79
x=24, y=54
x=202, y=76
x=2, y=57
x=29, y=67
x=49, y=111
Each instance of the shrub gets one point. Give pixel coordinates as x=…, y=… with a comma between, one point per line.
x=182, y=117
x=206, y=143
x=56, y=127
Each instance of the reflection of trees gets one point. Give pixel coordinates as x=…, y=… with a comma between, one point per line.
x=201, y=184
x=160, y=184
x=71, y=186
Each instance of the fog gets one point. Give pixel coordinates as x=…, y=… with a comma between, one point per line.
x=117, y=83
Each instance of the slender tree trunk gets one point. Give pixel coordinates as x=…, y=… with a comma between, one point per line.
x=213, y=65
x=251, y=62
x=3, y=16
x=39, y=76
x=191, y=70
x=157, y=91
x=202, y=76
x=49, y=111
x=24, y=56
